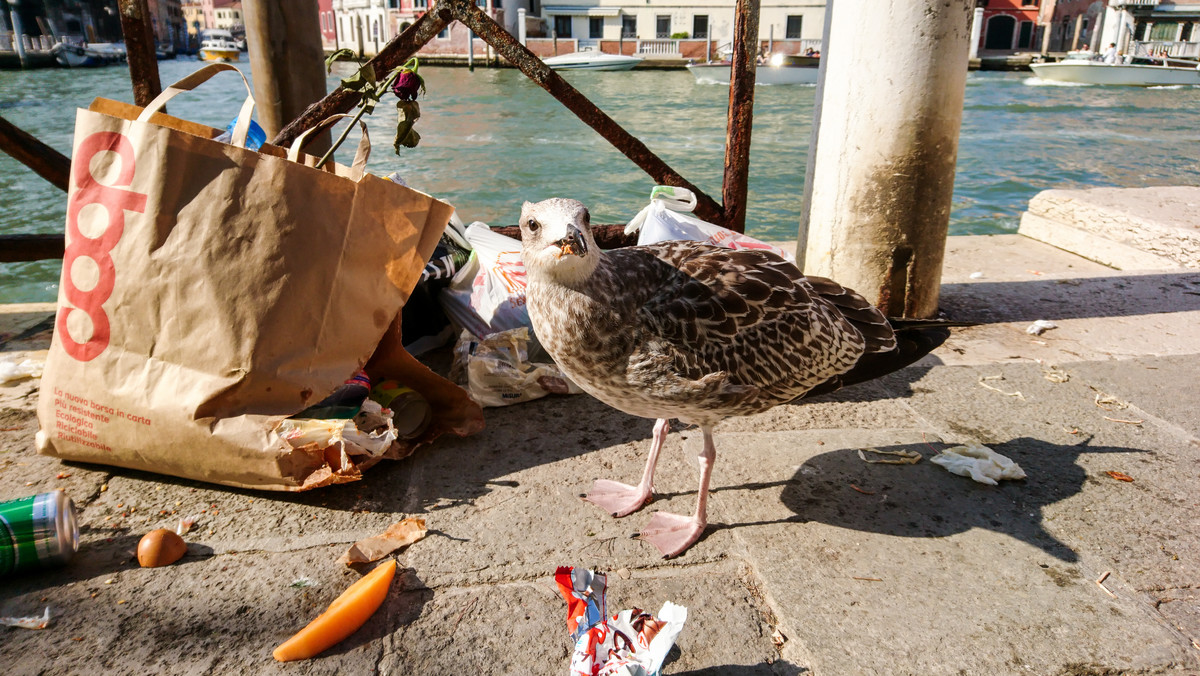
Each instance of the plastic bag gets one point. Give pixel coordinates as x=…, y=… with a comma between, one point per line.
x=497, y=371
x=487, y=295
x=668, y=217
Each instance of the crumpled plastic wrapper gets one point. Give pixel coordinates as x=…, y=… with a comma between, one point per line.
x=11, y=370
x=33, y=622
x=370, y=433
x=399, y=534
x=630, y=643
x=978, y=462
x=1040, y=326
x=497, y=372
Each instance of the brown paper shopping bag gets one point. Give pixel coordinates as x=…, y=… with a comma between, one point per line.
x=209, y=291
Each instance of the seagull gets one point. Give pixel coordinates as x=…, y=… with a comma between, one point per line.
x=690, y=331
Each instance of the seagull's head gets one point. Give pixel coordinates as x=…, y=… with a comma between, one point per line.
x=556, y=239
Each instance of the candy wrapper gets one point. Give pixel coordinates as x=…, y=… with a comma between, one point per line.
x=630, y=643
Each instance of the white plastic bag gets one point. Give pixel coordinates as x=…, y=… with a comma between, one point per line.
x=668, y=217
x=497, y=371
x=487, y=295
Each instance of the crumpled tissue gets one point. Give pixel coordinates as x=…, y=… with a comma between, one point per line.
x=978, y=462
x=630, y=643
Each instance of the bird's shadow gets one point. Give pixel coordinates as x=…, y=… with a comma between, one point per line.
x=925, y=501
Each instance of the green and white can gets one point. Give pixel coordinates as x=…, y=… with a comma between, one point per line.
x=37, y=531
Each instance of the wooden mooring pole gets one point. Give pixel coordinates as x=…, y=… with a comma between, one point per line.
x=880, y=186
x=139, y=50
x=283, y=38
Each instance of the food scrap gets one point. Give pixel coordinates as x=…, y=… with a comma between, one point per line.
x=343, y=617
x=1119, y=476
x=160, y=547
x=400, y=534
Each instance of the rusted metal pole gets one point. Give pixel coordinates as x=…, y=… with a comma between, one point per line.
x=22, y=248
x=403, y=46
x=533, y=67
x=286, y=57
x=741, y=114
x=394, y=54
x=41, y=158
x=139, y=50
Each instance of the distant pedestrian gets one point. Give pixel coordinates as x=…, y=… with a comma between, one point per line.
x=1110, y=56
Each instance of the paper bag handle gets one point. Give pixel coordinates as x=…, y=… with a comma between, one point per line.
x=187, y=84
x=360, y=156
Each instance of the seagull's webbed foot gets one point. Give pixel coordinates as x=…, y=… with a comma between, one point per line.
x=617, y=498
x=621, y=499
x=672, y=534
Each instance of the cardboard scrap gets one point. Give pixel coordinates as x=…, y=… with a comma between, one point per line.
x=400, y=534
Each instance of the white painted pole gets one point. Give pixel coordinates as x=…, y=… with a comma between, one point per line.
x=521, y=26
x=976, y=31
x=883, y=174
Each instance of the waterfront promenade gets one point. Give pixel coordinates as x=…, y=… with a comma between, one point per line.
x=816, y=562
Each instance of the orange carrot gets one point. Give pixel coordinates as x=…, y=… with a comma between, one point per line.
x=346, y=614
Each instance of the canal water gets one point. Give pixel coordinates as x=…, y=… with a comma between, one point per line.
x=492, y=139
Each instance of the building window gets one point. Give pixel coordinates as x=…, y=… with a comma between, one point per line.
x=1186, y=34
x=595, y=27
x=420, y=4
x=562, y=26
x=795, y=24
x=1164, y=32
x=662, y=26
x=444, y=33
x=629, y=26
x=700, y=26
x=375, y=30
x=1025, y=36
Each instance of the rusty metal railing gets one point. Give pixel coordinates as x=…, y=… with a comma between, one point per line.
x=731, y=214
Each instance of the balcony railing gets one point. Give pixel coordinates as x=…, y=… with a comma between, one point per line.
x=1175, y=50
x=658, y=47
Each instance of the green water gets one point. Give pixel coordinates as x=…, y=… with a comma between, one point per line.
x=492, y=139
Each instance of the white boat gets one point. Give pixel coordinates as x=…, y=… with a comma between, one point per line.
x=587, y=59
x=76, y=56
x=218, y=45
x=781, y=69
x=1100, y=73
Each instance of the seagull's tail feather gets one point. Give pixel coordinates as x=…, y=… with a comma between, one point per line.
x=915, y=338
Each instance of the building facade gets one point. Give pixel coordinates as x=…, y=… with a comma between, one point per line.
x=327, y=19
x=1010, y=25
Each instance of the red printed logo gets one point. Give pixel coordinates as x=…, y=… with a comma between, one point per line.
x=115, y=202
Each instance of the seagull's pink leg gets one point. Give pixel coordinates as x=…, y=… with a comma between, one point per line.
x=621, y=499
x=672, y=533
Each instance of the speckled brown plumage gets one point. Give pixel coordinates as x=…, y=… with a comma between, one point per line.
x=690, y=331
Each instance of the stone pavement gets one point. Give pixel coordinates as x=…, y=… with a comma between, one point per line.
x=816, y=562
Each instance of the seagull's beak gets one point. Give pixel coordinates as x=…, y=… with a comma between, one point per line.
x=573, y=243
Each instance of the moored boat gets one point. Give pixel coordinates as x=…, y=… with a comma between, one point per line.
x=781, y=69
x=592, y=60
x=76, y=56
x=1126, y=74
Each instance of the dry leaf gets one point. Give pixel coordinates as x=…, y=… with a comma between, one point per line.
x=396, y=536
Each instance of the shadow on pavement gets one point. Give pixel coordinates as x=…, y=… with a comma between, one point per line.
x=924, y=500
x=1117, y=296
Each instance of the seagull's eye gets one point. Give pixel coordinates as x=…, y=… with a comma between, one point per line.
x=587, y=217
x=533, y=225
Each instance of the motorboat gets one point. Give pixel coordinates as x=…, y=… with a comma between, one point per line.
x=77, y=56
x=588, y=59
x=219, y=46
x=780, y=69
x=1142, y=72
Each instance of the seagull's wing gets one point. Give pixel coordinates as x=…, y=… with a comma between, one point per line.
x=748, y=315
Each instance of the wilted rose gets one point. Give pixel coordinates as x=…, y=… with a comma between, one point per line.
x=407, y=86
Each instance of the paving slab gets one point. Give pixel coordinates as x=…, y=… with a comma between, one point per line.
x=816, y=562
